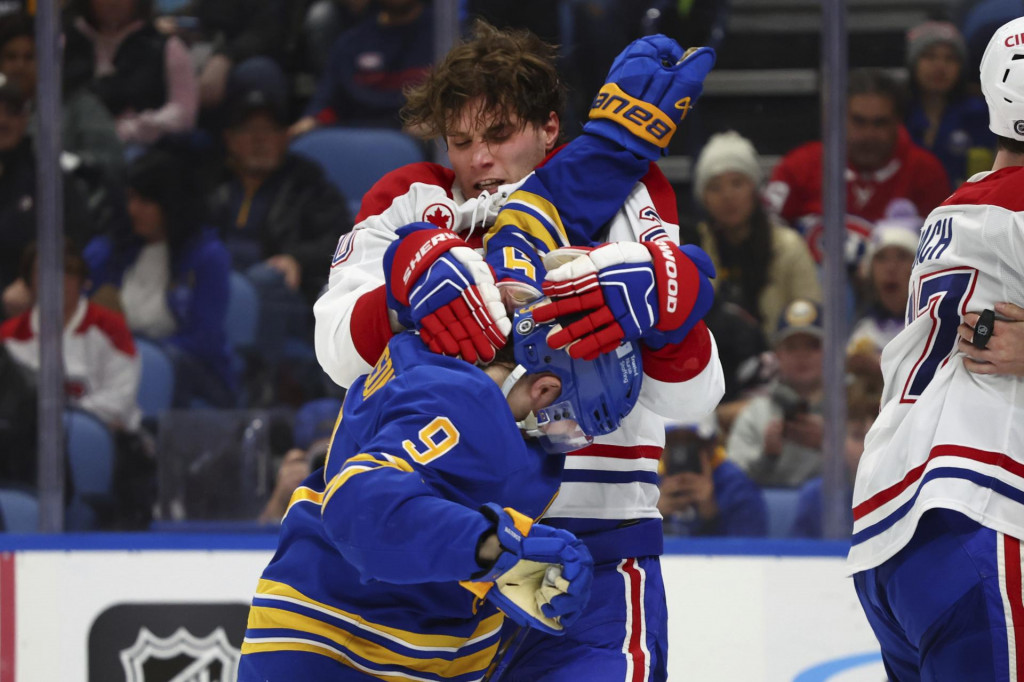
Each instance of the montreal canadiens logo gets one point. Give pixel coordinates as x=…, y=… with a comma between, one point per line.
x=653, y=230
x=440, y=215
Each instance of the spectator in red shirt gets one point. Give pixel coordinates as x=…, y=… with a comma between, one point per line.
x=884, y=168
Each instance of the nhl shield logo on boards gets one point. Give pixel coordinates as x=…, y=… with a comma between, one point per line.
x=182, y=657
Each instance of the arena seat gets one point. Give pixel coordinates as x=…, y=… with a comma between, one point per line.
x=781, y=510
x=90, y=461
x=20, y=511
x=355, y=158
x=156, y=386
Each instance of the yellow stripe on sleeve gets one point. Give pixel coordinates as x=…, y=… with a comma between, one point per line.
x=552, y=235
x=348, y=470
x=303, y=494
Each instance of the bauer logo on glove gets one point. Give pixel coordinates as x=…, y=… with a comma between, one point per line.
x=650, y=88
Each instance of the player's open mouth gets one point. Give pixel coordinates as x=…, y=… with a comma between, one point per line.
x=488, y=185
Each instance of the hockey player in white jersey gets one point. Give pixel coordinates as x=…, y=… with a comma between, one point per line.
x=939, y=498
x=494, y=100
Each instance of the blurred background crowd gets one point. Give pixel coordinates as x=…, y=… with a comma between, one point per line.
x=216, y=150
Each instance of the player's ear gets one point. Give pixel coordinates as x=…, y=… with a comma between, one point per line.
x=544, y=390
x=551, y=128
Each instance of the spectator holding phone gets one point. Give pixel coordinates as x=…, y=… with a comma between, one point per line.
x=777, y=438
x=702, y=492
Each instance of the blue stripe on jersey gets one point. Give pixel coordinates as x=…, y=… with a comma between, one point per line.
x=592, y=476
x=975, y=477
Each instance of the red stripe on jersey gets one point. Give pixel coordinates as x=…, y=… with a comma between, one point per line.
x=18, y=328
x=397, y=183
x=618, y=451
x=1003, y=188
x=677, y=362
x=635, y=630
x=662, y=193
x=7, y=617
x=1015, y=595
x=983, y=456
x=113, y=326
x=369, y=326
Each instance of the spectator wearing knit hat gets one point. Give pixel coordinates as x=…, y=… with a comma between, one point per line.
x=887, y=266
x=738, y=234
x=942, y=117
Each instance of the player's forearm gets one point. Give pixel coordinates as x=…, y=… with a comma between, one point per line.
x=671, y=387
x=393, y=527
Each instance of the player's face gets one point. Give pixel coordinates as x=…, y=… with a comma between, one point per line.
x=937, y=69
x=730, y=200
x=890, y=277
x=871, y=130
x=13, y=125
x=485, y=155
x=257, y=144
x=18, y=62
x=147, y=218
x=800, y=360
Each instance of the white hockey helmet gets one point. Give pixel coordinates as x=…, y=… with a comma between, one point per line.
x=1002, y=80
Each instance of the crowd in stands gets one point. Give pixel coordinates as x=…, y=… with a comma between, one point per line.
x=179, y=180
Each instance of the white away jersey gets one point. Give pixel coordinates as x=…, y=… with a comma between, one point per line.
x=947, y=437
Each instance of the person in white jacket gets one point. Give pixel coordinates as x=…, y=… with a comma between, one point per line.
x=101, y=366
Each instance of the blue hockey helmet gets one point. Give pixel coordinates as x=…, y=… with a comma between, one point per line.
x=596, y=394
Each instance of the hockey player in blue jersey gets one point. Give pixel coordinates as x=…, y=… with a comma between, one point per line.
x=398, y=558
x=494, y=100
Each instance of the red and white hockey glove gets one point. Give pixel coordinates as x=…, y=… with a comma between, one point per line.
x=655, y=291
x=441, y=287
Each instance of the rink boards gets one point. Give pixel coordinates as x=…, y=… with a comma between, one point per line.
x=163, y=607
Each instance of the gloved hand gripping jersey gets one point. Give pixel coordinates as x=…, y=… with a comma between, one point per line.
x=654, y=291
x=443, y=288
x=543, y=575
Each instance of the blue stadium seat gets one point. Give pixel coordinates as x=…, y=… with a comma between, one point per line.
x=90, y=459
x=355, y=158
x=20, y=511
x=781, y=510
x=243, y=312
x=156, y=386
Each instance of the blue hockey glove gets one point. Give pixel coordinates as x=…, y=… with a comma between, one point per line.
x=543, y=575
x=443, y=288
x=649, y=90
x=655, y=291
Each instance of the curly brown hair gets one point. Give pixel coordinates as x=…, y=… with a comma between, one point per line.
x=512, y=71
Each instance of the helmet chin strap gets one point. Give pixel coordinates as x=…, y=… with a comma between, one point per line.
x=529, y=424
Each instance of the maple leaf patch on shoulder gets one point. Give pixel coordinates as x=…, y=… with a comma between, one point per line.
x=440, y=215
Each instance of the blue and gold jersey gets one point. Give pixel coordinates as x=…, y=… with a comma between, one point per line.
x=373, y=545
